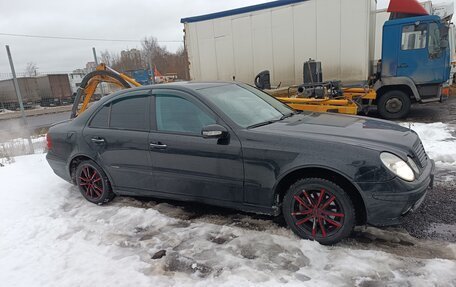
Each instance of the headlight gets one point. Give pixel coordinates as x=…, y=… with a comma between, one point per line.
x=397, y=166
x=413, y=165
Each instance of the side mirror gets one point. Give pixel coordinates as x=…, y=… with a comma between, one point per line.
x=214, y=131
x=443, y=44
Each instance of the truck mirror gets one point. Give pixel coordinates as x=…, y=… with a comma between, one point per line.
x=443, y=44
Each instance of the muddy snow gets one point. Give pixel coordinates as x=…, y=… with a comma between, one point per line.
x=51, y=236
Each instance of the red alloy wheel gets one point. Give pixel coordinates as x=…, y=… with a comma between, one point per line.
x=90, y=182
x=318, y=213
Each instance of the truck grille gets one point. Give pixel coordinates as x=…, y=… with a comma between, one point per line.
x=420, y=153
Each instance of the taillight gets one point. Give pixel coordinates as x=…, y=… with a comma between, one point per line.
x=445, y=91
x=48, y=141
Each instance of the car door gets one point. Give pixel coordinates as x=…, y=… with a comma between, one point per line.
x=185, y=163
x=119, y=132
x=420, y=57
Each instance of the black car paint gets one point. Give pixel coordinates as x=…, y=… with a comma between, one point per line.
x=245, y=170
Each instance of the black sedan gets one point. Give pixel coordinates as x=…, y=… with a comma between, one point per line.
x=231, y=145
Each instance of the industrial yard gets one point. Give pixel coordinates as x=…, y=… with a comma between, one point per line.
x=173, y=153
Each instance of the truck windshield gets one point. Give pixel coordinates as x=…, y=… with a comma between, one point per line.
x=245, y=105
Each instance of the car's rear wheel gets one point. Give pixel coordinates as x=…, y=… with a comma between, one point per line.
x=93, y=183
x=319, y=209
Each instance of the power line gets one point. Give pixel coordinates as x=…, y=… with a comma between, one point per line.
x=82, y=39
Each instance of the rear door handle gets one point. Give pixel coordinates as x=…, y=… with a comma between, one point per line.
x=158, y=145
x=98, y=140
x=403, y=65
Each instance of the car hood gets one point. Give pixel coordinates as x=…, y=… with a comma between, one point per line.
x=355, y=130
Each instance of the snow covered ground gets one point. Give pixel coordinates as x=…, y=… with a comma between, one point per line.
x=439, y=141
x=51, y=236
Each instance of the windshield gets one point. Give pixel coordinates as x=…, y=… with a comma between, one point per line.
x=245, y=105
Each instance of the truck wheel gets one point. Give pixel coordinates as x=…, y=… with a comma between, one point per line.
x=394, y=105
x=319, y=209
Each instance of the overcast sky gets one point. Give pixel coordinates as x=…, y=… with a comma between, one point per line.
x=113, y=19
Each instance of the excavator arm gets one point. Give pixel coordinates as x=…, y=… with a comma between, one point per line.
x=89, y=84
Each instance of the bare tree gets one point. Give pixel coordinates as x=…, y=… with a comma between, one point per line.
x=151, y=53
x=106, y=57
x=31, y=69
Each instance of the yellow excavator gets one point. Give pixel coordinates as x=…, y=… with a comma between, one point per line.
x=89, y=84
x=348, y=102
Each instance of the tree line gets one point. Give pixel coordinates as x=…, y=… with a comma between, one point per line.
x=150, y=53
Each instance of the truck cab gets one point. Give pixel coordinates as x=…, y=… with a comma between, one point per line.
x=416, y=48
x=415, y=62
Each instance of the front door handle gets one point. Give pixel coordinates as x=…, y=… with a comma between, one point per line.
x=403, y=65
x=158, y=145
x=98, y=140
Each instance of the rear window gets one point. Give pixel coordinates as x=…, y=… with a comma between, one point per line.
x=100, y=120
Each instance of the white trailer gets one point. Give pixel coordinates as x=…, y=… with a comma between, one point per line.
x=280, y=36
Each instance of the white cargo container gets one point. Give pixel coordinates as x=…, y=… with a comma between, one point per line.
x=280, y=36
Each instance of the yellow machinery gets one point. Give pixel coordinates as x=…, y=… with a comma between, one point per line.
x=91, y=81
x=350, y=102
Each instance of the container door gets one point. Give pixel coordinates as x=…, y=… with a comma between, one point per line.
x=420, y=56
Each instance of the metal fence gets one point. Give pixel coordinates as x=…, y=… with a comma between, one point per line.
x=23, y=125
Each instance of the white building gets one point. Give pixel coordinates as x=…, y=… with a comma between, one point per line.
x=75, y=81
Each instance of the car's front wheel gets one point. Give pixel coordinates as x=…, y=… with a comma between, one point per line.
x=93, y=183
x=319, y=209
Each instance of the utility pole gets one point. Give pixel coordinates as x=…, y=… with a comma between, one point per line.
x=151, y=68
x=19, y=98
x=96, y=63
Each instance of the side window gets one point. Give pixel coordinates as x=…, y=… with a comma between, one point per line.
x=434, y=40
x=100, y=120
x=176, y=114
x=414, y=37
x=130, y=113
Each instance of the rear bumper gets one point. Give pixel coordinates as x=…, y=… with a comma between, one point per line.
x=387, y=202
x=59, y=166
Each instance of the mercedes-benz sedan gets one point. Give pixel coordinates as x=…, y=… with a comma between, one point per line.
x=231, y=145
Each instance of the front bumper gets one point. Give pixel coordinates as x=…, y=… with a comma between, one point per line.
x=387, y=202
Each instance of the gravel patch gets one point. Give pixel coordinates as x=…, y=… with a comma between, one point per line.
x=436, y=217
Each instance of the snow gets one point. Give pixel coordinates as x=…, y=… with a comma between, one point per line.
x=439, y=141
x=51, y=236
x=20, y=146
x=5, y=111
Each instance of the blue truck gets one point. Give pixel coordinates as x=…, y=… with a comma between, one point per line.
x=416, y=63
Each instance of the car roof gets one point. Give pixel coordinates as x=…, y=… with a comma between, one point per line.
x=193, y=85
x=190, y=85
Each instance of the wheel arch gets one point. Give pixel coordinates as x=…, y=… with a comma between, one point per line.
x=78, y=158
x=403, y=84
x=325, y=173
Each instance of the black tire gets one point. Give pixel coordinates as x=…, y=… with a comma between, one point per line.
x=328, y=213
x=93, y=183
x=394, y=105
